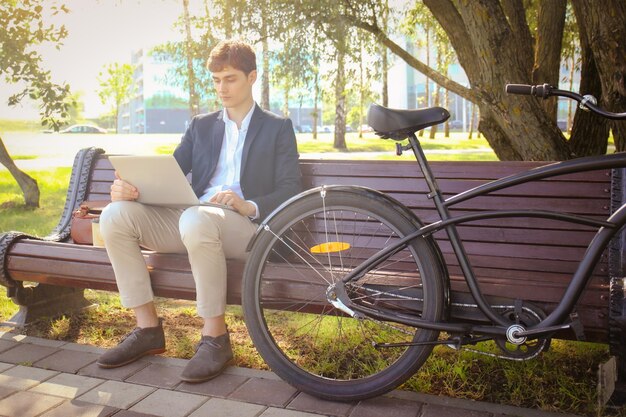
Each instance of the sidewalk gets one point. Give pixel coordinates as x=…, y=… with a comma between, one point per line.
x=40, y=377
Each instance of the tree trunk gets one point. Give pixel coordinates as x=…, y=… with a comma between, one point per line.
x=265, y=79
x=427, y=83
x=590, y=132
x=340, y=102
x=316, y=82
x=436, y=102
x=492, y=54
x=606, y=33
x=194, y=104
x=385, y=60
x=446, y=99
x=315, y=114
x=472, y=121
x=516, y=127
x=489, y=127
x=551, y=21
x=361, y=88
x=385, y=76
x=28, y=185
x=286, y=100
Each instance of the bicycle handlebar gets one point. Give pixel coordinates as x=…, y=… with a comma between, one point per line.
x=587, y=102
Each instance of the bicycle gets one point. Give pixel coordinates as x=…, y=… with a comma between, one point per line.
x=374, y=317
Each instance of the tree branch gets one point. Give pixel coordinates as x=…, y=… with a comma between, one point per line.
x=516, y=15
x=434, y=75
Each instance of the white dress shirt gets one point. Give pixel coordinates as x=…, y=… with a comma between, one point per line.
x=228, y=170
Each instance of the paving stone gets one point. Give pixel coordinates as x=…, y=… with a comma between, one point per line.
x=128, y=413
x=67, y=361
x=218, y=407
x=28, y=404
x=168, y=403
x=116, y=394
x=431, y=410
x=6, y=391
x=7, y=344
x=263, y=391
x=222, y=386
x=251, y=373
x=42, y=342
x=24, y=377
x=11, y=336
x=279, y=412
x=164, y=360
x=67, y=385
x=26, y=353
x=388, y=407
x=305, y=402
x=158, y=376
x=5, y=366
x=84, y=348
x=116, y=374
x=80, y=409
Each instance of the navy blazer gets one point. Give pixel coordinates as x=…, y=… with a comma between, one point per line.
x=270, y=173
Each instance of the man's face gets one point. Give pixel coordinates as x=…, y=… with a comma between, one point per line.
x=233, y=86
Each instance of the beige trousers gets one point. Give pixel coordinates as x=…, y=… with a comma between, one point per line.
x=209, y=235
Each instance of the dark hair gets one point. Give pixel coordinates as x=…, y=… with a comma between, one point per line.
x=233, y=53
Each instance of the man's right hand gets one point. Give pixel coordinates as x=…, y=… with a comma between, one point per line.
x=122, y=190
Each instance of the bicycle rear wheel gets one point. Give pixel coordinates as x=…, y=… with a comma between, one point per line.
x=309, y=343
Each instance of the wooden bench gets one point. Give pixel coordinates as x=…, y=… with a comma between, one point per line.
x=532, y=259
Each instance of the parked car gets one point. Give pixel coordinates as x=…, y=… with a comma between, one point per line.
x=83, y=129
x=304, y=129
x=455, y=124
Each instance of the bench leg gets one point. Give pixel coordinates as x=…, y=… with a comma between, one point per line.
x=45, y=301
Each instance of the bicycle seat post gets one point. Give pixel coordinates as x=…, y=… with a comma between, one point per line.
x=433, y=187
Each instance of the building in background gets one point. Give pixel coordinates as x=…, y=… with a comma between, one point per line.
x=407, y=88
x=158, y=106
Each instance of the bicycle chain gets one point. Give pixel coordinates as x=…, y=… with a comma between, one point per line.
x=451, y=345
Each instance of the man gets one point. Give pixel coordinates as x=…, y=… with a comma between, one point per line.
x=242, y=157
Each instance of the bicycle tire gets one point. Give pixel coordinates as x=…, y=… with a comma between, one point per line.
x=328, y=354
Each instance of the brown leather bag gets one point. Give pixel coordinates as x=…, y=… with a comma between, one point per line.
x=82, y=219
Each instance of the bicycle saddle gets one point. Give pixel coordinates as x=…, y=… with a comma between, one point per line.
x=400, y=124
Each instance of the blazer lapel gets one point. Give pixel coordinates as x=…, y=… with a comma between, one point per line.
x=216, y=143
x=258, y=118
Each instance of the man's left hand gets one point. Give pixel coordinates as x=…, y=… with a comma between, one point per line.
x=231, y=199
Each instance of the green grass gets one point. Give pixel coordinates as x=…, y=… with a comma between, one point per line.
x=15, y=216
x=7, y=125
x=454, y=148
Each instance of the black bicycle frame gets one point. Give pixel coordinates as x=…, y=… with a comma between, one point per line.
x=607, y=230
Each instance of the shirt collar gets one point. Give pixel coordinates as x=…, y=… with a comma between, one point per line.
x=246, y=120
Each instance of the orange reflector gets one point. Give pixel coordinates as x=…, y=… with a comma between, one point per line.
x=330, y=247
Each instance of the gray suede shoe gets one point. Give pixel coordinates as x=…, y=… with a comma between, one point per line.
x=212, y=356
x=138, y=343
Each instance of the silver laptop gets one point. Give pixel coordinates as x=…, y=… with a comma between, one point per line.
x=159, y=179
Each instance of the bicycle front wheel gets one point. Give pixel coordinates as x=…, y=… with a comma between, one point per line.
x=304, y=339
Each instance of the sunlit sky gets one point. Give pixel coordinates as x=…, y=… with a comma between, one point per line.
x=100, y=32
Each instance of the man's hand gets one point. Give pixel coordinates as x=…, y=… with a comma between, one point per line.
x=122, y=190
x=231, y=199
